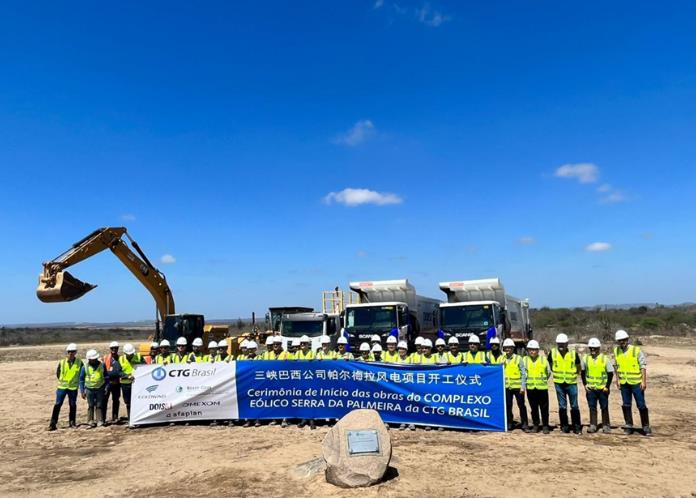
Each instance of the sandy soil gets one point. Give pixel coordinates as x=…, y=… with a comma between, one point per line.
x=202, y=460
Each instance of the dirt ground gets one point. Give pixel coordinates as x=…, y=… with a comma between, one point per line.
x=203, y=460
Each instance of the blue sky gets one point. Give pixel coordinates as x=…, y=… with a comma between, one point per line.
x=552, y=144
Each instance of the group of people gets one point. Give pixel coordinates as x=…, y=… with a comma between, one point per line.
x=100, y=380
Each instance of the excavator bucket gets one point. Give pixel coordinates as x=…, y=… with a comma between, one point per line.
x=65, y=287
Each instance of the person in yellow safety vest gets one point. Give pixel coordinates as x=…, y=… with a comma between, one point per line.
x=113, y=382
x=365, y=354
x=180, y=356
x=565, y=366
x=212, y=355
x=454, y=356
x=92, y=382
x=377, y=352
x=441, y=353
x=495, y=356
x=597, y=374
x=515, y=383
x=242, y=350
x=632, y=380
x=277, y=352
x=403, y=358
x=416, y=355
x=427, y=357
x=391, y=354
x=305, y=352
x=474, y=355
x=222, y=354
x=151, y=358
x=293, y=348
x=269, y=347
x=341, y=353
x=325, y=352
x=196, y=356
x=128, y=360
x=165, y=354
x=252, y=349
x=538, y=373
x=68, y=375
x=375, y=339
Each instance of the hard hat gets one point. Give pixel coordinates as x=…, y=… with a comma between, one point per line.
x=508, y=343
x=427, y=343
x=376, y=338
x=325, y=339
x=532, y=344
x=561, y=339
x=364, y=347
x=164, y=343
x=494, y=340
x=252, y=345
x=474, y=339
x=269, y=340
x=342, y=340
x=277, y=340
x=453, y=340
x=594, y=343
x=71, y=347
x=181, y=341
x=128, y=348
x=392, y=340
x=197, y=342
x=154, y=345
x=222, y=343
x=304, y=338
x=377, y=348
x=419, y=341
x=113, y=344
x=212, y=345
x=440, y=342
x=621, y=335
x=402, y=345
x=92, y=354
x=295, y=342
x=243, y=344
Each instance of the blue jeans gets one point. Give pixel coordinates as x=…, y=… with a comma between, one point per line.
x=597, y=395
x=628, y=392
x=62, y=393
x=569, y=390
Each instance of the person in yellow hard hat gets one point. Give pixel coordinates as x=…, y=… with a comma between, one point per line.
x=632, y=380
x=68, y=375
x=92, y=381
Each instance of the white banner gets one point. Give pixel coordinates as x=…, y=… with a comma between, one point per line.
x=182, y=392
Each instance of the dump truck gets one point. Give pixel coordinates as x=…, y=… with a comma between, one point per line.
x=389, y=307
x=482, y=308
x=275, y=313
x=313, y=325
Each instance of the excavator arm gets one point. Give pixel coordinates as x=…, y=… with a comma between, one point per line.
x=57, y=285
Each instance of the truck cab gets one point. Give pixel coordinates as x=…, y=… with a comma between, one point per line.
x=275, y=314
x=362, y=321
x=313, y=325
x=461, y=320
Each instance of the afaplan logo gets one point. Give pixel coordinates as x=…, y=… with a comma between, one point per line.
x=159, y=373
x=152, y=388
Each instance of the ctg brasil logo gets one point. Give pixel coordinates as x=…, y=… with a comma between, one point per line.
x=159, y=373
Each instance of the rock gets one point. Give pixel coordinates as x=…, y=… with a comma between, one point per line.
x=309, y=469
x=359, y=469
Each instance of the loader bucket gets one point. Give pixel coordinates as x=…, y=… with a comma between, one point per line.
x=65, y=287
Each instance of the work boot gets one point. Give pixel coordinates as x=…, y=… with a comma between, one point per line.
x=645, y=422
x=546, y=429
x=402, y=427
x=440, y=429
x=54, y=418
x=247, y=423
x=257, y=423
x=427, y=427
x=577, y=424
x=593, y=421
x=273, y=422
x=411, y=427
x=302, y=423
x=284, y=423
x=628, y=418
x=312, y=425
x=536, y=428
x=72, y=416
x=525, y=428
x=563, y=416
x=606, y=425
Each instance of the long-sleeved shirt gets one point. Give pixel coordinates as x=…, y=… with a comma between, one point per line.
x=523, y=370
x=642, y=359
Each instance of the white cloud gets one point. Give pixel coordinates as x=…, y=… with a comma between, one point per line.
x=359, y=132
x=583, y=172
x=168, y=259
x=128, y=217
x=527, y=241
x=604, y=188
x=598, y=247
x=356, y=196
x=613, y=198
x=361, y=254
x=430, y=17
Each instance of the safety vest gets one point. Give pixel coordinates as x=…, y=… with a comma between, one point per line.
x=564, y=369
x=127, y=366
x=513, y=372
x=370, y=357
x=627, y=365
x=479, y=357
x=455, y=359
x=301, y=355
x=175, y=358
x=596, y=371
x=149, y=360
x=493, y=360
x=416, y=357
x=403, y=361
x=344, y=356
x=441, y=358
x=424, y=360
x=94, y=377
x=389, y=357
x=241, y=357
x=271, y=355
x=162, y=360
x=326, y=355
x=195, y=358
x=69, y=375
x=537, y=373
x=286, y=355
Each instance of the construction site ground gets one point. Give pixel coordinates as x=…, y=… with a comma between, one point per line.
x=200, y=460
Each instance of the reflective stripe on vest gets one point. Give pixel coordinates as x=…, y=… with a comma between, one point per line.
x=627, y=365
x=441, y=358
x=480, y=357
x=455, y=359
x=596, y=371
x=127, y=366
x=301, y=355
x=195, y=358
x=513, y=372
x=495, y=361
x=162, y=360
x=416, y=357
x=424, y=360
x=344, y=356
x=389, y=357
x=537, y=373
x=69, y=376
x=326, y=355
x=175, y=358
x=370, y=357
x=563, y=367
x=94, y=377
x=403, y=361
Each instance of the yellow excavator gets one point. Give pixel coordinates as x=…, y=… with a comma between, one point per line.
x=56, y=285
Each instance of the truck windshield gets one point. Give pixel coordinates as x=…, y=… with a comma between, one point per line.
x=467, y=317
x=311, y=328
x=371, y=318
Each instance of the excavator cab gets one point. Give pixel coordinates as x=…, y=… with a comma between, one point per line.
x=61, y=287
x=183, y=325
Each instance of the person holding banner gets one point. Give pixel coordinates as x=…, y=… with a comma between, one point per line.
x=377, y=352
x=242, y=350
x=416, y=355
x=375, y=339
x=251, y=348
x=474, y=355
x=454, y=356
x=269, y=346
x=365, y=354
x=128, y=360
x=325, y=352
x=441, y=356
x=196, y=356
x=164, y=356
x=305, y=352
x=403, y=357
x=151, y=359
x=427, y=357
x=180, y=356
x=495, y=356
x=565, y=367
x=515, y=382
x=390, y=355
x=341, y=353
x=222, y=354
x=293, y=348
x=212, y=352
x=537, y=386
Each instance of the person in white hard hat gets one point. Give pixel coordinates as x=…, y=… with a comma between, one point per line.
x=305, y=352
x=632, y=380
x=180, y=355
x=495, y=356
x=113, y=382
x=597, y=374
x=427, y=357
x=293, y=348
x=165, y=354
x=151, y=358
x=376, y=352
x=538, y=373
x=128, y=360
x=269, y=347
x=416, y=355
x=92, y=382
x=196, y=356
x=68, y=375
x=341, y=346
x=252, y=351
x=375, y=339
x=365, y=354
x=212, y=355
x=242, y=350
x=565, y=365
x=325, y=352
x=403, y=358
x=515, y=383
x=474, y=355
x=441, y=353
x=222, y=351
x=454, y=356
x=391, y=354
